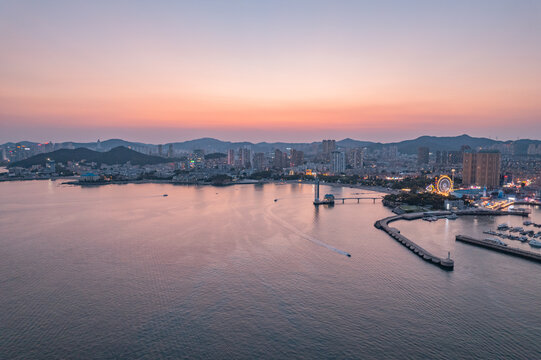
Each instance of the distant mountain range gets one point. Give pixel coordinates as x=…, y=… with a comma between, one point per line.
x=117, y=155
x=210, y=145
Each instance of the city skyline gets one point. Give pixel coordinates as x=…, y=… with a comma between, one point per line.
x=265, y=71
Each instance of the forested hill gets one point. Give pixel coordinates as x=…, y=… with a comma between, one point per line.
x=118, y=155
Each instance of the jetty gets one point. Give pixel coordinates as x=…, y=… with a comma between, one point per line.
x=500, y=248
x=383, y=224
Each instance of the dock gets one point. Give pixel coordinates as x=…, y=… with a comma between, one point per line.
x=500, y=248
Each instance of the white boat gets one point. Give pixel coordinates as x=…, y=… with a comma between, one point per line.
x=496, y=241
x=503, y=227
x=535, y=243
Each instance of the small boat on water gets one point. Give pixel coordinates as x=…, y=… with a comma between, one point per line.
x=527, y=223
x=496, y=241
x=503, y=227
x=535, y=243
x=165, y=195
x=453, y=216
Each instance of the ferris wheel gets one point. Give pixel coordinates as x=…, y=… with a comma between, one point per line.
x=444, y=185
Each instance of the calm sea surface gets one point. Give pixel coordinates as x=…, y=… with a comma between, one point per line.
x=119, y=271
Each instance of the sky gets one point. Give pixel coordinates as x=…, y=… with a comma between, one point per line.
x=292, y=70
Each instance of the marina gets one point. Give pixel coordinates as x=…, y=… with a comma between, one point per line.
x=445, y=263
x=496, y=246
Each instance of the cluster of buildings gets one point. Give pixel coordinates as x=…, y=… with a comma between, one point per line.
x=491, y=168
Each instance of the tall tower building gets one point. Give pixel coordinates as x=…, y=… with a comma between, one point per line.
x=481, y=168
x=231, y=157
x=244, y=157
x=259, y=161
x=328, y=146
x=356, y=158
x=278, y=159
x=297, y=157
x=338, y=162
x=422, y=155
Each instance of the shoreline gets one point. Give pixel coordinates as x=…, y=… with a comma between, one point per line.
x=74, y=182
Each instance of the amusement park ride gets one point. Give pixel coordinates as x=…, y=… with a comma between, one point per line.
x=442, y=186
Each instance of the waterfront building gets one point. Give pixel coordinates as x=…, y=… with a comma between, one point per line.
x=481, y=168
x=278, y=158
x=355, y=158
x=50, y=166
x=338, y=162
x=297, y=157
x=245, y=158
x=89, y=177
x=231, y=157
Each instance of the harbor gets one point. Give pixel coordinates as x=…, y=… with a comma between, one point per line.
x=444, y=263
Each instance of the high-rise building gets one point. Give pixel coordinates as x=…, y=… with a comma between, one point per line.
x=328, y=146
x=356, y=158
x=244, y=158
x=231, y=157
x=338, y=162
x=442, y=157
x=389, y=152
x=170, y=151
x=481, y=168
x=278, y=159
x=422, y=155
x=297, y=157
x=259, y=161
x=160, y=150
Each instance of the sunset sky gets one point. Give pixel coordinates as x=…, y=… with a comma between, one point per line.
x=292, y=70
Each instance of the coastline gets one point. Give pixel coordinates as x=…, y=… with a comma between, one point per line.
x=75, y=182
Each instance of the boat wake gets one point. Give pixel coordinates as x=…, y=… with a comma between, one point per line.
x=299, y=233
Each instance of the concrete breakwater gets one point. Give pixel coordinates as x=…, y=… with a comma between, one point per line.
x=383, y=224
x=445, y=263
x=500, y=248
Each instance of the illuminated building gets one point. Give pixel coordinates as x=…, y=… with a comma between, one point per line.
x=278, y=159
x=338, y=162
x=297, y=157
x=231, y=157
x=481, y=168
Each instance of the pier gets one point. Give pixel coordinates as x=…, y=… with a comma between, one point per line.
x=329, y=199
x=500, y=248
x=343, y=199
